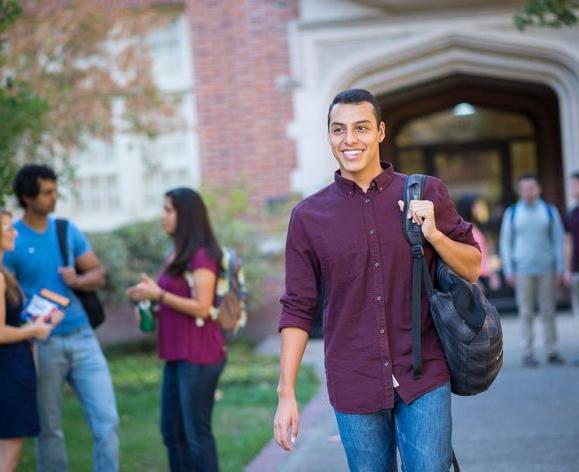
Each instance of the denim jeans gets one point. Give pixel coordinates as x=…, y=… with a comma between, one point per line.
x=76, y=358
x=422, y=431
x=187, y=398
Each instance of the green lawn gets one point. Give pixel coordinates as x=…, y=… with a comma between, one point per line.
x=242, y=417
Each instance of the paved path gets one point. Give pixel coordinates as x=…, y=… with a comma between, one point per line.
x=528, y=421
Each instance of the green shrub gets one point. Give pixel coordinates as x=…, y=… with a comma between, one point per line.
x=112, y=252
x=146, y=245
x=236, y=224
x=126, y=253
x=141, y=247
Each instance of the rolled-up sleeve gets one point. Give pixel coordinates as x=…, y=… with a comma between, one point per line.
x=448, y=221
x=302, y=278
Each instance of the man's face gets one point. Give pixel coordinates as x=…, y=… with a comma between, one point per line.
x=45, y=202
x=529, y=190
x=355, y=137
x=575, y=188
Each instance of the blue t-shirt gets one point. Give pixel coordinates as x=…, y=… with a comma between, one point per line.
x=35, y=262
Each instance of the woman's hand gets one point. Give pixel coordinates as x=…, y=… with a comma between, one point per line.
x=146, y=289
x=41, y=328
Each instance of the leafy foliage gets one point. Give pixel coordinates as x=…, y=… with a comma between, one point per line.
x=236, y=225
x=141, y=247
x=547, y=13
x=21, y=110
x=21, y=124
x=76, y=71
x=128, y=252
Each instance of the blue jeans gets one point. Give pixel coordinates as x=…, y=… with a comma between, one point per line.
x=422, y=430
x=76, y=358
x=187, y=399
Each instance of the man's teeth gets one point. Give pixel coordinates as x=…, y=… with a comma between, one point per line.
x=352, y=153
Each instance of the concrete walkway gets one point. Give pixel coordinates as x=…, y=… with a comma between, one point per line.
x=528, y=420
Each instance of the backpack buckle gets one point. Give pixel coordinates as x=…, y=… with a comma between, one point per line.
x=417, y=251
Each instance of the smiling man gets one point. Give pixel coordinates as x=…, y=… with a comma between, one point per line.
x=349, y=235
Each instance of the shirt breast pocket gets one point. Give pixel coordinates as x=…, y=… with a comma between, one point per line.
x=343, y=260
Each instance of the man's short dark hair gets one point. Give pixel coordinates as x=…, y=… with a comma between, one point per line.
x=528, y=176
x=26, y=182
x=357, y=96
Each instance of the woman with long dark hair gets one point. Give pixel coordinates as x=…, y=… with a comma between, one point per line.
x=190, y=342
x=18, y=413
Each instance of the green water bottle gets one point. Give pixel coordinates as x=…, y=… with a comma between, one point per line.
x=147, y=315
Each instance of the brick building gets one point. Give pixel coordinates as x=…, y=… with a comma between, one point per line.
x=229, y=61
x=465, y=97
x=256, y=77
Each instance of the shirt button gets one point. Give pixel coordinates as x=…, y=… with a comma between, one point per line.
x=386, y=364
x=376, y=264
x=379, y=298
x=372, y=231
x=367, y=200
x=381, y=331
x=380, y=189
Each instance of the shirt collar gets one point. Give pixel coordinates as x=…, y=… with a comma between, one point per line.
x=538, y=201
x=349, y=187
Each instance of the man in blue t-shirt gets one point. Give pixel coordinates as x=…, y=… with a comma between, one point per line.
x=72, y=353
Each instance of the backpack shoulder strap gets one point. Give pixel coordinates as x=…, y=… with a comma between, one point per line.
x=551, y=212
x=61, y=230
x=512, y=212
x=413, y=189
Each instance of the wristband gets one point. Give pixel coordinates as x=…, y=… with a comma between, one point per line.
x=161, y=296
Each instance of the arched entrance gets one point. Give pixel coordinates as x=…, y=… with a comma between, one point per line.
x=475, y=131
x=478, y=135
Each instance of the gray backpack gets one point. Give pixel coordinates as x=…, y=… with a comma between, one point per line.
x=468, y=325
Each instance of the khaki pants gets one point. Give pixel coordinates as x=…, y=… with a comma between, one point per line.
x=529, y=290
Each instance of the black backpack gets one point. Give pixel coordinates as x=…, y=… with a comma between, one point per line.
x=89, y=300
x=468, y=325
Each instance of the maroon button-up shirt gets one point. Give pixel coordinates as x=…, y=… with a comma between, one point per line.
x=353, y=241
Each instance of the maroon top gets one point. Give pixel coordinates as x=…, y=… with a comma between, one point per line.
x=572, y=227
x=354, y=242
x=180, y=339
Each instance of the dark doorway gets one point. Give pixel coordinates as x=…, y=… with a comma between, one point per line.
x=478, y=135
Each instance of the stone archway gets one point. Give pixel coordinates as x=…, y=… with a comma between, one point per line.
x=512, y=58
x=537, y=102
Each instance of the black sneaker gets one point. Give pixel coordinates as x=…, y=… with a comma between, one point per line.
x=529, y=360
x=555, y=359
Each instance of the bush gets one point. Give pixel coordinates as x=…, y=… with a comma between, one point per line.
x=236, y=225
x=112, y=252
x=126, y=253
x=141, y=247
x=147, y=246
